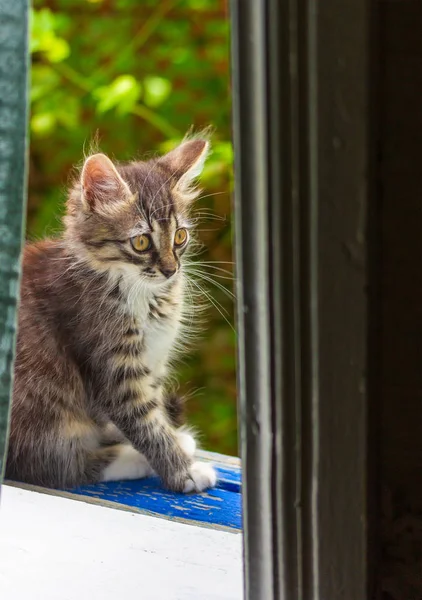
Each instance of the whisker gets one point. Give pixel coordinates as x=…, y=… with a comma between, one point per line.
x=218, y=262
x=204, y=265
x=193, y=272
x=216, y=305
x=216, y=268
x=210, y=195
x=207, y=217
x=223, y=308
x=219, y=285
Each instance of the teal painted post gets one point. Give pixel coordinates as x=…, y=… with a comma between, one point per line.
x=13, y=150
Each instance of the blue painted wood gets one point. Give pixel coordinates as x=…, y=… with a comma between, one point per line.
x=219, y=507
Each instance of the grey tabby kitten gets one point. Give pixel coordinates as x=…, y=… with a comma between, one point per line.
x=101, y=312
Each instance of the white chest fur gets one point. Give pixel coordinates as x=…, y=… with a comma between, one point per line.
x=159, y=339
x=158, y=319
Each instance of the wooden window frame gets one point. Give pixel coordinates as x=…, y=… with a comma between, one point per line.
x=306, y=245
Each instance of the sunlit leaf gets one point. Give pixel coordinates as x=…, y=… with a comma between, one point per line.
x=57, y=50
x=156, y=90
x=44, y=38
x=122, y=94
x=43, y=123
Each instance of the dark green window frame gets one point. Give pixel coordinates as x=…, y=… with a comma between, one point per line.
x=14, y=60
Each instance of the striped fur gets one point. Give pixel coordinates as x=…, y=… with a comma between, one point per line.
x=99, y=324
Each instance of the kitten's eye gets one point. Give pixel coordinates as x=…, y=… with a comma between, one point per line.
x=180, y=237
x=141, y=243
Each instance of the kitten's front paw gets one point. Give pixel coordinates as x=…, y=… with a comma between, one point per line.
x=201, y=477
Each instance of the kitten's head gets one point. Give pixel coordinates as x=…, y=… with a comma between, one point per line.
x=132, y=220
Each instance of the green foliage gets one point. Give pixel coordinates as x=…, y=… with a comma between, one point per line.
x=122, y=94
x=43, y=36
x=136, y=76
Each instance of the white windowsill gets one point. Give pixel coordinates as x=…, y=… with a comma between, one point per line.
x=54, y=548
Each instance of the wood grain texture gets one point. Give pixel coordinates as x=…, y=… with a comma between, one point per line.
x=13, y=146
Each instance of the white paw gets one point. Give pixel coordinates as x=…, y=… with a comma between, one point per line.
x=186, y=442
x=202, y=476
x=130, y=464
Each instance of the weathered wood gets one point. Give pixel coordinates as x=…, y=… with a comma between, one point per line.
x=13, y=146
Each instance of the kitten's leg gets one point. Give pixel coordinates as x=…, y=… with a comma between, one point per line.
x=128, y=464
x=168, y=451
x=115, y=463
x=110, y=435
x=186, y=440
x=175, y=408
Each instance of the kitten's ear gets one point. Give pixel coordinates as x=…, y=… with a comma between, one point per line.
x=102, y=186
x=185, y=163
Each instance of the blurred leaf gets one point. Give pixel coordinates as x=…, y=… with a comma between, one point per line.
x=44, y=38
x=156, y=90
x=122, y=94
x=57, y=50
x=43, y=123
x=42, y=24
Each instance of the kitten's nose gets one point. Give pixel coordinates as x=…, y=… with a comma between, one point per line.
x=168, y=272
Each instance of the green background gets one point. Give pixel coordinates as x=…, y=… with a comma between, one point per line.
x=136, y=75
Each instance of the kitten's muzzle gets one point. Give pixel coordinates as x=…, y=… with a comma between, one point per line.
x=169, y=272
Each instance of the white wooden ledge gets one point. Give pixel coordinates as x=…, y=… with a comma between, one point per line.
x=55, y=548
